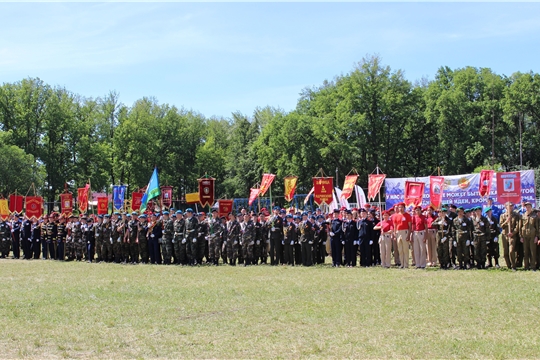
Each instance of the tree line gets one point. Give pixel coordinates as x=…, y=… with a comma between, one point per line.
x=461, y=121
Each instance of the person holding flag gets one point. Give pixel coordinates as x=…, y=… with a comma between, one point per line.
x=152, y=190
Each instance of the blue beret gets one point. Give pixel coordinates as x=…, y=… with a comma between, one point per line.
x=320, y=217
x=289, y=216
x=189, y=210
x=282, y=211
x=107, y=216
x=304, y=213
x=116, y=213
x=179, y=212
x=143, y=216
x=128, y=215
x=165, y=213
x=276, y=207
x=100, y=216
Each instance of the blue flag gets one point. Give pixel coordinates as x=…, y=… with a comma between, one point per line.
x=152, y=190
x=119, y=194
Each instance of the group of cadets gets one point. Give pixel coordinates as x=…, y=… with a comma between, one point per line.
x=449, y=238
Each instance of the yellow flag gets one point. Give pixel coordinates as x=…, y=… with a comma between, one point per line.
x=4, y=209
x=290, y=187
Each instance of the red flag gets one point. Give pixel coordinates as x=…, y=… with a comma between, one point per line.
x=206, y=191
x=66, y=203
x=102, y=205
x=265, y=183
x=509, y=187
x=324, y=187
x=82, y=198
x=375, y=182
x=414, y=191
x=253, y=195
x=136, y=198
x=436, y=187
x=348, y=186
x=290, y=187
x=225, y=207
x=166, y=196
x=484, y=187
x=16, y=204
x=34, y=207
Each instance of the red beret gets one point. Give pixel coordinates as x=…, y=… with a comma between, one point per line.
x=400, y=204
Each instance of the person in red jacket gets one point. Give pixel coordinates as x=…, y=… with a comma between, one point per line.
x=431, y=242
x=419, y=229
x=385, y=241
x=402, y=231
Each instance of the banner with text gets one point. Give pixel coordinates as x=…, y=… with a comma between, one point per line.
x=324, y=187
x=461, y=190
x=66, y=204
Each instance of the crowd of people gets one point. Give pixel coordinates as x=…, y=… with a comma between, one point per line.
x=450, y=238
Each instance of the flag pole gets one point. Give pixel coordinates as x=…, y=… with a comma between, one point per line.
x=380, y=204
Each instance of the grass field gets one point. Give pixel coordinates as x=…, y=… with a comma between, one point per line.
x=78, y=310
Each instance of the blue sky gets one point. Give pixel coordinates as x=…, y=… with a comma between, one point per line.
x=217, y=58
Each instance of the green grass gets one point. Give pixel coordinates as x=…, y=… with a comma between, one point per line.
x=78, y=310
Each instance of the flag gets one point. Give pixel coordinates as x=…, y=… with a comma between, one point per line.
x=152, y=190
x=334, y=204
x=436, y=187
x=253, y=194
x=4, y=209
x=509, y=187
x=306, y=200
x=206, y=191
x=82, y=198
x=348, y=186
x=119, y=195
x=360, y=196
x=375, y=182
x=136, y=198
x=323, y=190
x=484, y=187
x=414, y=191
x=166, y=196
x=265, y=183
x=225, y=207
x=290, y=187
x=66, y=204
x=342, y=201
x=192, y=198
x=33, y=207
x=16, y=204
x=102, y=205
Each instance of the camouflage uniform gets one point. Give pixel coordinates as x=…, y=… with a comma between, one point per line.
x=248, y=241
x=5, y=238
x=143, y=240
x=528, y=231
x=481, y=233
x=180, y=243
x=214, y=240
x=116, y=236
x=107, y=249
x=78, y=242
x=462, y=229
x=190, y=234
x=445, y=240
x=70, y=247
x=166, y=241
x=306, y=242
x=233, y=232
x=202, y=233
x=133, y=226
x=98, y=234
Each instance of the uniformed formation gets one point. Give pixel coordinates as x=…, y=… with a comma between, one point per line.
x=450, y=238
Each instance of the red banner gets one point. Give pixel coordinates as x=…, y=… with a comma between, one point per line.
x=16, y=203
x=324, y=187
x=265, y=183
x=82, y=198
x=253, y=195
x=484, y=187
x=508, y=187
x=206, y=191
x=225, y=207
x=136, y=198
x=166, y=196
x=33, y=207
x=413, y=193
x=436, y=187
x=375, y=182
x=66, y=203
x=290, y=187
x=348, y=186
x=102, y=205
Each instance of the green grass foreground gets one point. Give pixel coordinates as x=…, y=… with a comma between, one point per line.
x=78, y=310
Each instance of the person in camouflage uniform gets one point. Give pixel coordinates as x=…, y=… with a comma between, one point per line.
x=78, y=240
x=142, y=239
x=69, y=251
x=462, y=228
x=179, y=242
x=224, y=239
x=107, y=248
x=116, y=236
x=5, y=238
x=444, y=236
x=248, y=239
x=214, y=238
x=233, y=233
x=481, y=234
x=133, y=227
x=202, y=234
x=257, y=250
x=126, y=218
x=167, y=239
x=98, y=235
x=190, y=235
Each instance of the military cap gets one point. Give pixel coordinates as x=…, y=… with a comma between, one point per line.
x=143, y=216
x=165, y=213
x=318, y=209
x=128, y=215
x=305, y=213
x=320, y=216
x=171, y=210
x=444, y=209
x=418, y=208
x=107, y=216
x=189, y=210
x=253, y=213
x=73, y=216
x=100, y=216
x=202, y=213
x=179, y=212
x=116, y=213
x=223, y=218
x=527, y=203
x=488, y=209
x=288, y=216
x=363, y=210
x=354, y=209
x=134, y=213
x=282, y=211
x=90, y=219
x=401, y=204
x=312, y=217
x=214, y=210
x=509, y=203
x=348, y=211
x=155, y=214
x=276, y=208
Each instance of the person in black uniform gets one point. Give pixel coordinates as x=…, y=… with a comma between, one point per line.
x=375, y=249
x=155, y=231
x=26, y=242
x=276, y=237
x=36, y=238
x=365, y=237
x=16, y=236
x=452, y=214
x=89, y=239
x=321, y=235
x=336, y=238
x=61, y=236
x=350, y=235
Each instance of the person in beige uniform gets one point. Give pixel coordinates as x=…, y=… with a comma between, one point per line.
x=528, y=234
x=402, y=232
x=510, y=225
